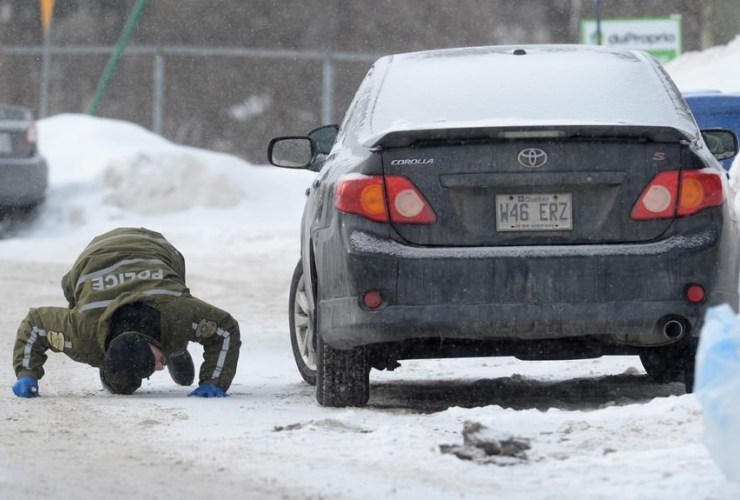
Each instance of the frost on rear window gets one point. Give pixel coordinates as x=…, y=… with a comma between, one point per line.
x=492, y=87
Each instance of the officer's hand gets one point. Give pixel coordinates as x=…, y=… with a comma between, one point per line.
x=26, y=387
x=208, y=391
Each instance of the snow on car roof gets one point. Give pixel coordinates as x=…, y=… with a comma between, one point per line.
x=547, y=85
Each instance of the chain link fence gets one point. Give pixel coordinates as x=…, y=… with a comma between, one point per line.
x=231, y=100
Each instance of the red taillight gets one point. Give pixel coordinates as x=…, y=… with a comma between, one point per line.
x=362, y=195
x=658, y=200
x=678, y=194
x=31, y=135
x=695, y=293
x=372, y=299
x=700, y=189
x=366, y=196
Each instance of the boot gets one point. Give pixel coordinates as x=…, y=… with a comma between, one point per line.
x=181, y=368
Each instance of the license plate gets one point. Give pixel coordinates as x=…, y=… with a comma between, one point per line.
x=534, y=212
x=5, y=145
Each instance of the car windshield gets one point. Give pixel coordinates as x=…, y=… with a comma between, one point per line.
x=493, y=87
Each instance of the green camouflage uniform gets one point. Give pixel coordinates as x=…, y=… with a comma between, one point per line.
x=119, y=268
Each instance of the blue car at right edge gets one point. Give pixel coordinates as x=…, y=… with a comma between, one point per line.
x=715, y=109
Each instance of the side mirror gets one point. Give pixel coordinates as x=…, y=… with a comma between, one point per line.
x=722, y=143
x=291, y=152
x=324, y=137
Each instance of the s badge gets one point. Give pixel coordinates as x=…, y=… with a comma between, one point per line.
x=56, y=340
x=206, y=328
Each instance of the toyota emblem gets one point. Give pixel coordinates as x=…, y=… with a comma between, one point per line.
x=532, y=158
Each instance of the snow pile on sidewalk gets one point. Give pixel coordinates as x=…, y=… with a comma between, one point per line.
x=130, y=168
x=106, y=173
x=716, y=68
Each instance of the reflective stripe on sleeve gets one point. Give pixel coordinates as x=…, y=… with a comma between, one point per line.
x=224, y=351
x=35, y=334
x=95, y=305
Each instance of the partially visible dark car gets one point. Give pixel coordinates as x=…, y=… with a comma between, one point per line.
x=543, y=202
x=23, y=171
x=715, y=109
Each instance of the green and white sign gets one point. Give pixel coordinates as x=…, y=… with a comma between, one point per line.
x=660, y=37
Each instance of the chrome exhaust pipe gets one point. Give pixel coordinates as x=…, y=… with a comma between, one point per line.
x=667, y=330
x=673, y=329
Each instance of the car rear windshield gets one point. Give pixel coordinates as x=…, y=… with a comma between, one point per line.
x=491, y=86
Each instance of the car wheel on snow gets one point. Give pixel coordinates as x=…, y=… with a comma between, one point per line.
x=302, y=331
x=343, y=377
x=662, y=366
x=688, y=377
x=674, y=363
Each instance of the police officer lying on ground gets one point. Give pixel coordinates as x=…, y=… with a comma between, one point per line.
x=129, y=314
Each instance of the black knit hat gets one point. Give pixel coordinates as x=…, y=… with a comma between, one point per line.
x=129, y=356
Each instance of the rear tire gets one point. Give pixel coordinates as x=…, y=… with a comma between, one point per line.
x=302, y=327
x=343, y=377
x=663, y=366
x=688, y=377
x=673, y=363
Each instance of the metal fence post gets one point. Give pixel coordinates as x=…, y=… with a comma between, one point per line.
x=45, y=64
x=158, y=102
x=327, y=108
x=110, y=68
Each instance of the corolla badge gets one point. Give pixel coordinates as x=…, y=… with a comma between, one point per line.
x=532, y=158
x=413, y=161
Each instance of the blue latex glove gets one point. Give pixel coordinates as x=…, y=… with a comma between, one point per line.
x=26, y=387
x=208, y=391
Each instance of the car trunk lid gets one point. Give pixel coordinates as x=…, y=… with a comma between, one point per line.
x=533, y=188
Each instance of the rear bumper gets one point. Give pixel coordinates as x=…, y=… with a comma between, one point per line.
x=494, y=321
x=517, y=292
x=23, y=181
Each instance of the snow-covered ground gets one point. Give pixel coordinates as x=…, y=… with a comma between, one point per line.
x=598, y=429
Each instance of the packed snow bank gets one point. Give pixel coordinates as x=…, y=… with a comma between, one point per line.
x=106, y=173
x=133, y=169
x=716, y=68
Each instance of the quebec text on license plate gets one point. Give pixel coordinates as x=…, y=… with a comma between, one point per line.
x=534, y=212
